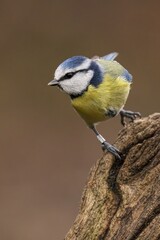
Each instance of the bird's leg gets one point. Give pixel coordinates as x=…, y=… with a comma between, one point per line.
x=128, y=114
x=105, y=145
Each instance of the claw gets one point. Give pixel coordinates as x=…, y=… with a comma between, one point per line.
x=108, y=147
x=128, y=114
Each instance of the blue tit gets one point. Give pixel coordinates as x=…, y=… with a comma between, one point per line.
x=98, y=89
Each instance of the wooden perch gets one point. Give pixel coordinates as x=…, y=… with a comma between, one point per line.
x=121, y=200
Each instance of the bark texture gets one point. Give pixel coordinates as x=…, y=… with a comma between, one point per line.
x=121, y=199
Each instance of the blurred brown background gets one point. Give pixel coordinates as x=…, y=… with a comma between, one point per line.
x=46, y=149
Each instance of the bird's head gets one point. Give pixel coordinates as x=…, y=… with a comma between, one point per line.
x=75, y=74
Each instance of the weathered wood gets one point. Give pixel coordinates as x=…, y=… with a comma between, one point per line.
x=121, y=200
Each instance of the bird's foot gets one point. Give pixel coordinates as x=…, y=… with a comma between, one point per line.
x=128, y=114
x=108, y=147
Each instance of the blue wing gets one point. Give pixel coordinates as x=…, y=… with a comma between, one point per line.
x=127, y=76
x=110, y=56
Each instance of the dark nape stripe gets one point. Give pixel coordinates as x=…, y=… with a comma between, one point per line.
x=97, y=77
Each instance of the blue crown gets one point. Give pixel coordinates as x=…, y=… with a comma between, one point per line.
x=73, y=62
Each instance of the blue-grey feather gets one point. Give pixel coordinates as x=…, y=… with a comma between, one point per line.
x=73, y=62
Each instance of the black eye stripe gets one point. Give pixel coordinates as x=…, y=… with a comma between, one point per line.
x=71, y=74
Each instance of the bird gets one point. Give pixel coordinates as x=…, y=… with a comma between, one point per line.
x=98, y=88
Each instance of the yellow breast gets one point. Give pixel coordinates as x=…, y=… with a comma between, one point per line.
x=94, y=103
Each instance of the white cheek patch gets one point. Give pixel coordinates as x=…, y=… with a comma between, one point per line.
x=78, y=83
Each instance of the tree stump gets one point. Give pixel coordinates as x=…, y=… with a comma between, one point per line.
x=121, y=200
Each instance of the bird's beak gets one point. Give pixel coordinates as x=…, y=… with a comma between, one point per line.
x=54, y=82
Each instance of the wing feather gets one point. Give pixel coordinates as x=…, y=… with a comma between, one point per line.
x=110, y=56
x=114, y=69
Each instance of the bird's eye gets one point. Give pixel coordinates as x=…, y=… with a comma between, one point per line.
x=69, y=75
